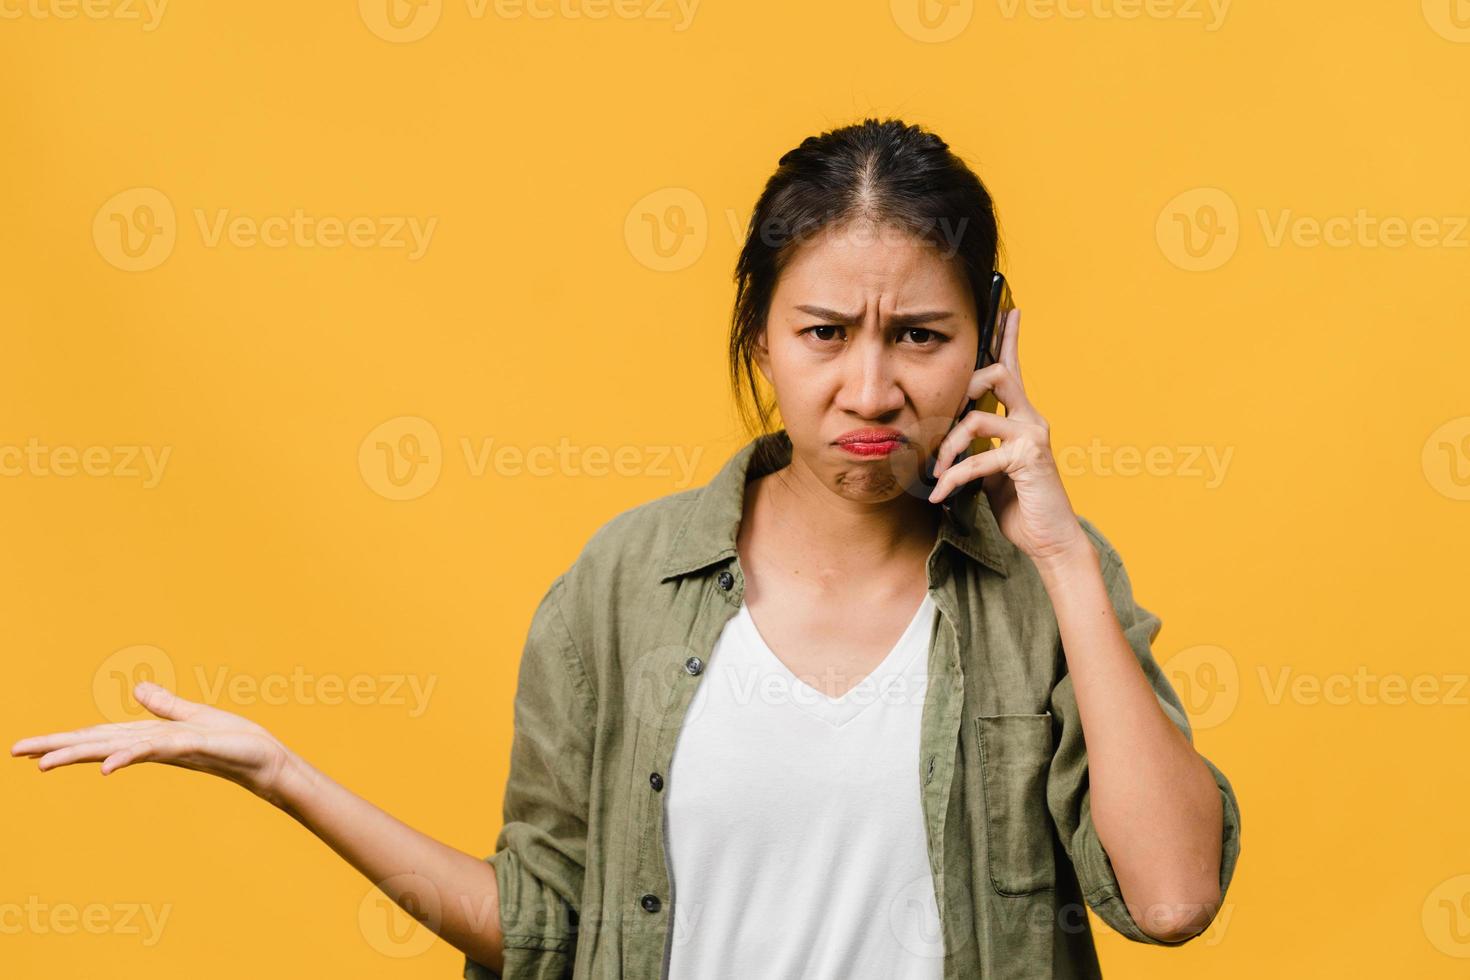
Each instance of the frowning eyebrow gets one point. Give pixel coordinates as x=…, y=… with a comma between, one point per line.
x=900, y=320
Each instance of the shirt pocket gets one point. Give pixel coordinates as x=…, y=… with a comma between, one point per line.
x=1015, y=759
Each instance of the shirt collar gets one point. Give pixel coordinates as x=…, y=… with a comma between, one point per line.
x=708, y=532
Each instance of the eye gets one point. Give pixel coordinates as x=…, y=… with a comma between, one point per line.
x=821, y=326
x=925, y=335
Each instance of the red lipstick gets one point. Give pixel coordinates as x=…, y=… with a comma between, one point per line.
x=871, y=442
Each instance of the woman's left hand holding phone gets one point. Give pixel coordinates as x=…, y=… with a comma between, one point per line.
x=1020, y=476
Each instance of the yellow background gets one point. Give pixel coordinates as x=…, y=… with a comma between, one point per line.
x=1330, y=550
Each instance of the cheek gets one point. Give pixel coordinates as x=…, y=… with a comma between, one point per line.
x=799, y=393
x=950, y=392
x=798, y=378
x=941, y=396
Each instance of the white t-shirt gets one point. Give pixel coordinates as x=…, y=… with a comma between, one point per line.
x=796, y=840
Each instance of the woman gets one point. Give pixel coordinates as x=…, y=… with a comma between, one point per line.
x=924, y=743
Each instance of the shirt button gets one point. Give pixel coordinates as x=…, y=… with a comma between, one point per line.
x=694, y=665
x=656, y=781
x=650, y=903
x=726, y=580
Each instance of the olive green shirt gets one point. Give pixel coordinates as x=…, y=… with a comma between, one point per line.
x=618, y=646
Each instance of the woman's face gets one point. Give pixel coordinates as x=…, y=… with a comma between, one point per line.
x=870, y=328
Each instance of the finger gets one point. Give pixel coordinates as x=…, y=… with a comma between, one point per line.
x=93, y=751
x=1010, y=343
x=160, y=749
x=165, y=703
x=970, y=468
x=1010, y=356
x=40, y=744
x=1002, y=379
x=967, y=430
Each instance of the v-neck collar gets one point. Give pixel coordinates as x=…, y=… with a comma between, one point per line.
x=841, y=710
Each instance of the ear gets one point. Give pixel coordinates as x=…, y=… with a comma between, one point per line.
x=762, y=354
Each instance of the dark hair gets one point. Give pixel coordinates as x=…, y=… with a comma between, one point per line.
x=884, y=171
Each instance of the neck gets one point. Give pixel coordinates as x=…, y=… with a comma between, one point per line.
x=832, y=535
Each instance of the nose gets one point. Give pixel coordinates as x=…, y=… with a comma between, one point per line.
x=869, y=385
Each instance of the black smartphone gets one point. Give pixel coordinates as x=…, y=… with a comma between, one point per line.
x=992, y=334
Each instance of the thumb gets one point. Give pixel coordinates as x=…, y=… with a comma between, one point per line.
x=163, y=702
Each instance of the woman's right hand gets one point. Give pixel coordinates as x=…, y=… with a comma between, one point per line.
x=191, y=736
x=400, y=861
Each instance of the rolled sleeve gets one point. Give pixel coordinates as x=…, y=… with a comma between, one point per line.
x=1068, y=795
x=541, y=851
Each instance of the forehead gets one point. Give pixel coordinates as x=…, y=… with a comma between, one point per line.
x=873, y=261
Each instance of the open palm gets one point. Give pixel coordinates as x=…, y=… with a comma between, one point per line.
x=189, y=735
